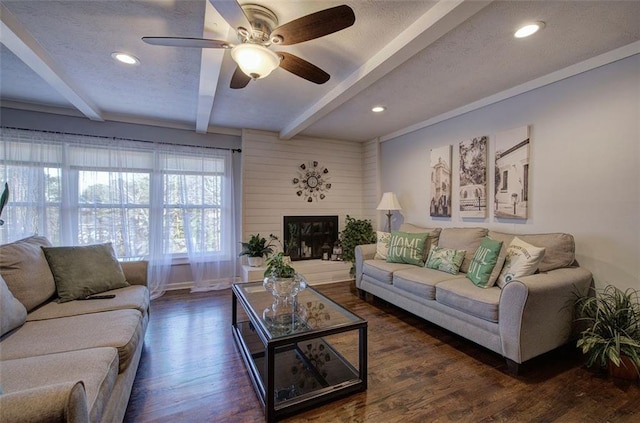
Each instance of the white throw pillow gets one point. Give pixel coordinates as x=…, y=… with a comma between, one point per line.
x=522, y=260
x=12, y=313
x=383, y=241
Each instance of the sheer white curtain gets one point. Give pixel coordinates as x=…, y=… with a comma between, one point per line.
x=204, y=181
x=161, y=203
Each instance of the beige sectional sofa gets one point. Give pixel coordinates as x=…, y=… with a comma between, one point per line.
x=72, y=361
x=527, y=317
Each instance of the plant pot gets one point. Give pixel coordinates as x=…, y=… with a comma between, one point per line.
x=255, y=261
x=627, y=369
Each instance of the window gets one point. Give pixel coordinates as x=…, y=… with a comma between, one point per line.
x=78, y=190
x=505, y=178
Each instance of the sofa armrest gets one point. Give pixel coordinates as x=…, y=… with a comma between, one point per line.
x=59, y=403
x=536, y=313
x=363, y=252
x=135, y=272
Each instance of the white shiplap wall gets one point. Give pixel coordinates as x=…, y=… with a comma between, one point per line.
x=269, y=165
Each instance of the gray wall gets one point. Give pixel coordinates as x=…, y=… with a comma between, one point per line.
x=584, y=171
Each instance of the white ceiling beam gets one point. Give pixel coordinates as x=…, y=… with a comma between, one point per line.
x=210, y=66
x=437, y=21
x=17, y=39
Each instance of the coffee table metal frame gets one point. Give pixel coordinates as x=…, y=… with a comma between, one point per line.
x=272, y=345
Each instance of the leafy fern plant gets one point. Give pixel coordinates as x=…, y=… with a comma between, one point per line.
x=612, y=319
x=356, y=232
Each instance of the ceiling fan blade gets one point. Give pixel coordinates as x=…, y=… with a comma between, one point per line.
x=302, y=68
x=239, y=79
x=315, y=25
x=186, y=42
x=231, y=12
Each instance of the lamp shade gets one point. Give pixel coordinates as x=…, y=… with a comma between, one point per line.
x=255, y=60
x=389, y=202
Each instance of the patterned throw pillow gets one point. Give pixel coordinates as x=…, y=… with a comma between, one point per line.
x=445, y=259
x=383, y=241
x=407, y=248
x=483, y=262
x=522, y=260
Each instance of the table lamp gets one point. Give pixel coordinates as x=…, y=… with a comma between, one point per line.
x=389, y=202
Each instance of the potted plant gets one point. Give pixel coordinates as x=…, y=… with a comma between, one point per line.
x=356, y=232
x=611, y=337
x=257, y=248
x=282, y=281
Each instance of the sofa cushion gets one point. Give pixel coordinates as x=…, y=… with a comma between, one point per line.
x=463, y=295
x=131, y=297
x=12, y=312
x=383, y=240
x=383, y=270
x=445, y=259
x=420, y=281
x=26, y=271
x=522, y=259
x=467, y=239
x=560, y=249
x=84, y=270
x=97, y=368
x=483, y=263
x=120, y=329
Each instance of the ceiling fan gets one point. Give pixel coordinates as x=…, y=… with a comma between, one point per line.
x=257, y=29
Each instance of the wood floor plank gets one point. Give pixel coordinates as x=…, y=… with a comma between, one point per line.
x=191, y=371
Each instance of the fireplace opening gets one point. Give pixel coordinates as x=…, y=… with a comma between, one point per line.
x=306, y=237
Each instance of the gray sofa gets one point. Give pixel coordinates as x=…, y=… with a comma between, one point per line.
x=73, y=361
x=525, y=318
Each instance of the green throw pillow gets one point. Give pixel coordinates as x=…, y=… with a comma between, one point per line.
x=82, y=271
x=445, y=259
x=407, y=248
x=483, y=262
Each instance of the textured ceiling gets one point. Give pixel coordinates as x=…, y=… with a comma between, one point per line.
x=421, y=59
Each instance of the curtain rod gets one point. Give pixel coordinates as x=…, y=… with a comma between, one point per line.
x=233, y=150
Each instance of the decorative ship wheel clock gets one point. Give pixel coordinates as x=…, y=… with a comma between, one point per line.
x=311, y=182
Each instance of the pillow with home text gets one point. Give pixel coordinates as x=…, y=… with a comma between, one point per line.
x=407, y=248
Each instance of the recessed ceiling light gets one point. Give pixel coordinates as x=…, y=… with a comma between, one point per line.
x=378, y=109
x=125, y=58
x=529, y=29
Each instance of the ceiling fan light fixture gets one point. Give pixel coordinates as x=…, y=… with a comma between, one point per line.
x=255, y=60
x=529, y=29
x=125, y=58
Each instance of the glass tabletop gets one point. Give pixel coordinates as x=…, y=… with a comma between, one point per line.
x=311, y=311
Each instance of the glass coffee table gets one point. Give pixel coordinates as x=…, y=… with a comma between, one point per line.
x=315, y=355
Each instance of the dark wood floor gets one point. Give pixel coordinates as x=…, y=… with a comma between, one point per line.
x=191, y=371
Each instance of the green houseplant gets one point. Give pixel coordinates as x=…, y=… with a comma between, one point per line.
x=356, y=232
x=611, y=335
x=282, y=281
x=257, y=248
x=278, y=266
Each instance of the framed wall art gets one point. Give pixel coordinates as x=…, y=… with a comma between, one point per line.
x=512, y=173
x=473, y=177
x=440, y=203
